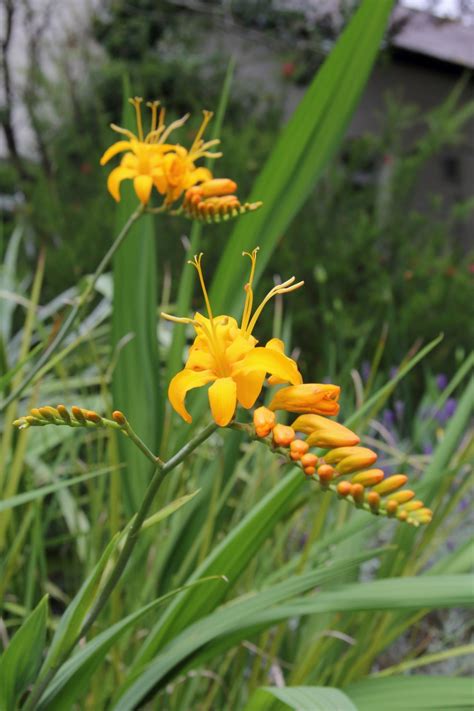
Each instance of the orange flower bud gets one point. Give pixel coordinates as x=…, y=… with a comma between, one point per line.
x=119, y=418
x=216, y=187
x=358, y=493
x=402, y=515
x=391, y=507
x=323, y=432
x=264, y=421
x=349, y=459
x=309, y=460
x=315, y=398
x=92, y=416
x=297, y=448
x=412, y=506
x=368, y=477
x=403, y=496
x=325, y=473
x=49, y=413
x=309, y=471
x=63, y=413
x=34, y=412
x=373, y=499
x=392, y=483
x=344, y=488
x=283, y=435
x=78, y=414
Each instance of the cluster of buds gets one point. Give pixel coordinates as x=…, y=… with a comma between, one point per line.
x=76, y=417
x=215, y=200
x=367, y=487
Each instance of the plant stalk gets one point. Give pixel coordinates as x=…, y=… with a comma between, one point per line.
x=161, y=470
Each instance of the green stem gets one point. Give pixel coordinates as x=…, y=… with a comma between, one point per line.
x=69, y=322
x=161, y=470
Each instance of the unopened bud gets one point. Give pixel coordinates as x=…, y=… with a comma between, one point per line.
x=49, y=413
x=264, y=421
x=119, y=418
x=373, y=499
x=325, y=473
x=283, y=435
x=33, y=421
x=78, y=414
x=391, y=507
x=402, y=515
x=350, y=459
x=309, y=460
x=324, y=432
x=316, y=398
x=392, y=483
x=92, y=416
x=344, y=488
x=297, y=449
x=402, y=497
x=357, y=493
x=63, y=413
x=412, y=506
x=368, y=477
x=309, y=471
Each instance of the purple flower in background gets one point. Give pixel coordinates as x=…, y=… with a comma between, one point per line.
x=428, y=448
x=399, y=407
x=447, y=411
x=388, y=418
x=365, y=370
x=441, y=381
x=393, y=372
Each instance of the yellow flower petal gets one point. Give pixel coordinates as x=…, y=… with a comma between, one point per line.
x=116, y=177
x=118, y=147
x=223, y=400
x=199, y=175
x=179, y=386
x=249, y=387
x=143, y=185
x=273, y=362
x=277, y=345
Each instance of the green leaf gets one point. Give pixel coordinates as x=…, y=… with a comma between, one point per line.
x=135, y=382
x=235, y=617
x=304, y=148
x=169, y=509
x=403, y=693
x=72, y=620
x=73, y=677
x=21, y=660
x=229, y=558
x=43, y=491
x=300, y=698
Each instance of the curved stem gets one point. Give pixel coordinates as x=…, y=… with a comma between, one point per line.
x=161, y=470
x=72, y=315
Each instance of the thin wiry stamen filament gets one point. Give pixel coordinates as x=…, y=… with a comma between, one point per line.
x=136, y=102
x=283, y=288
x=178, y=319
x=197, y=141
x=248, y=288
x=153, y=106
x=173, y=126
x=124, y=131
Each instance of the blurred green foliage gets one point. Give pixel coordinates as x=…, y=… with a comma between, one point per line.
x=367, y=252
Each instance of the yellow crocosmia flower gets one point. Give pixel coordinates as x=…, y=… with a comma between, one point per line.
x=150, y=161
x=226, y=354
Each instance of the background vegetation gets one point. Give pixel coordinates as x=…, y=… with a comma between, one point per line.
x=382, y=280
